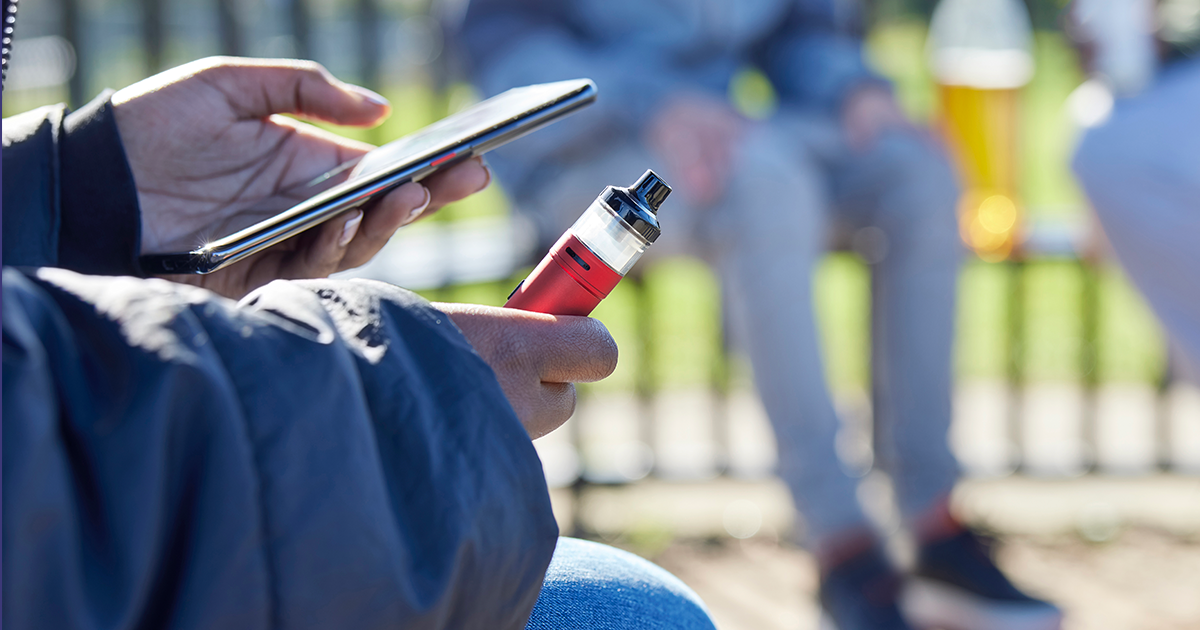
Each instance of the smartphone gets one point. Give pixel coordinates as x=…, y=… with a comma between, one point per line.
x=458, y=137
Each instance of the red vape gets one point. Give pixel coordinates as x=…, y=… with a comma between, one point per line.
x=592, y=257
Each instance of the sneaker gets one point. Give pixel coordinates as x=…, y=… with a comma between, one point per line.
x=861, y=594
x=956, y=586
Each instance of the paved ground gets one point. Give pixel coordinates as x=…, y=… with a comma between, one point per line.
x=1143, y=580
x=1118, y=553
x=1118, y=549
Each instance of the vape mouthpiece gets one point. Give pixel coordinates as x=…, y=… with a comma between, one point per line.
x=638, y=205
x=651, y=189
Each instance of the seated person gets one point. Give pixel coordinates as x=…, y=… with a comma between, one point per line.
x=756, y=199
x=1140, y=169
x=321, y=454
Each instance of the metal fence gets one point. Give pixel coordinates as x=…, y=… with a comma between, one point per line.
x=372, y=42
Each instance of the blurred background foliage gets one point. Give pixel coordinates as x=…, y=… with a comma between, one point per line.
x=1030, y=320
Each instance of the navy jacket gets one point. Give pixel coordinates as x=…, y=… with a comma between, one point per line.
x=323, y=454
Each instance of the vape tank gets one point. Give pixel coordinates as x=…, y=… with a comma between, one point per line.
x=591, y=258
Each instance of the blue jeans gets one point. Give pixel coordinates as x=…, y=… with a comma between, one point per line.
x=596, y=587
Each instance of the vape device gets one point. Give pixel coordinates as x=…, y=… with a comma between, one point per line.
x=591, y=258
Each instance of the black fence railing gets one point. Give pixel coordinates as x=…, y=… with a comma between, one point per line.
x=226, y=27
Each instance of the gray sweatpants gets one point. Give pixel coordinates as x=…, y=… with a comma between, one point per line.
x=793, y=182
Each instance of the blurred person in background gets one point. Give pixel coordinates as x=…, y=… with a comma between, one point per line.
x=1139, y=160
x=320, y=454
x=758, y=199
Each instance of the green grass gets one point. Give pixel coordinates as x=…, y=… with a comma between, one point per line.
x=1131, y=346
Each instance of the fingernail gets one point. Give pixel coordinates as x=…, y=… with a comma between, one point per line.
x=412, y=216
x=368, y=95
x=487, y=169
x=350, y=228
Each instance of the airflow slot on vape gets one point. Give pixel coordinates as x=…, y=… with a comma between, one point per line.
x=586, y=267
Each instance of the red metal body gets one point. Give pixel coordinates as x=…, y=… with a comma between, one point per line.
x=570, y=280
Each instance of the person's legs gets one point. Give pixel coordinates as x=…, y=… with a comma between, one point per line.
x=590, y=586
x=766, y=238
x=904, y=188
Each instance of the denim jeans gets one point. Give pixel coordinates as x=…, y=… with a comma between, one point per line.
x=590, y=586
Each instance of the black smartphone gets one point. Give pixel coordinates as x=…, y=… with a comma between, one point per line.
x=471, y=132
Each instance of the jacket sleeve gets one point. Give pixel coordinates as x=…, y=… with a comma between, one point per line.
x=325, y=454
x=69, y=196
x=815, y=57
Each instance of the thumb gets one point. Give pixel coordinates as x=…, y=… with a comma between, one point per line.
x=257, y=88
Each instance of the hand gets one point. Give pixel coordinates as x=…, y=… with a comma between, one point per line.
x=869, y=111
x=209, y=156
x=537, y=357
x=695, y=135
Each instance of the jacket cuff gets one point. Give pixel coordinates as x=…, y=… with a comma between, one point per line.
x=100, y=229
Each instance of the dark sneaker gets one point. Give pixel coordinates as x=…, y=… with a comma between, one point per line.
x=956, y=586
x=860, y=594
